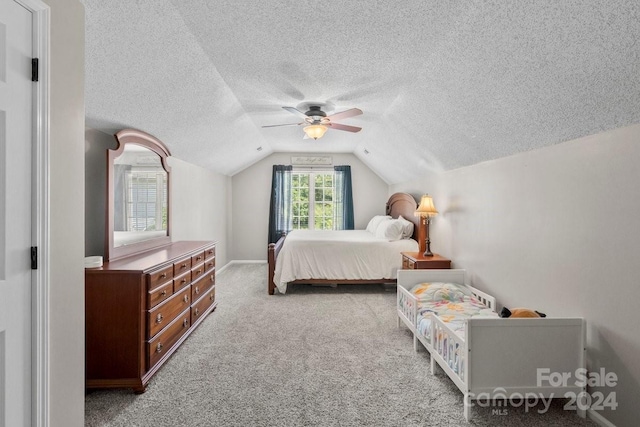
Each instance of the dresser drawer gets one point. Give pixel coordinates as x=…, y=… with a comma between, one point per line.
x=181, y=266
x=408, y=264
x=182, y=281
x=209, y=264
x=162, y=343
x=210, y=253
x=196, y=272
x=159, y=294
x=197, y=258
x=417, y=261
x=159, y=277
x=201, y=307
x=200, y=287
x=164, y=314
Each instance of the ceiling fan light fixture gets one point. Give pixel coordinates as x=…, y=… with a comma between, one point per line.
x=315, y=131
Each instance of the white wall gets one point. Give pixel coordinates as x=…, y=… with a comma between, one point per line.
x=66, y=291
x=198, y=199
x=95, y=175
x=199, y=206
x=252, y=192
x=556, y=230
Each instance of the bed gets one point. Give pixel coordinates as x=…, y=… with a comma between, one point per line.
x=341, y=257
x=488, y=357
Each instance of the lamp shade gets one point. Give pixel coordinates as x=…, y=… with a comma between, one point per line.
x=426, y=207
x=315, y=131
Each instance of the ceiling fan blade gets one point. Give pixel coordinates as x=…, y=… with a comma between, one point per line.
x=348, y=128
x=296, y=112
x=287, y=124
x=345, y=114
x=306, y=136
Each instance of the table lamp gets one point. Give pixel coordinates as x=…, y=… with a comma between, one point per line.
x=426, y=210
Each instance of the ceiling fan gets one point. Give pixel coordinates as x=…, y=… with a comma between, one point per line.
x=316, y=122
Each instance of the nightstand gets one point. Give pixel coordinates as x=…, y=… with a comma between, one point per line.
x=415, y=261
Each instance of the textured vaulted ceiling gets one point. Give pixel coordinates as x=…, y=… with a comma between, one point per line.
x=442, y=84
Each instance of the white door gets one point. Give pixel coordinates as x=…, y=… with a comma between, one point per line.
x=16, y=92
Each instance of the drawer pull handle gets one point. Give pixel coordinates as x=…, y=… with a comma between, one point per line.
x=197, y=311
x=186, y=298
x=197, y=289
x=159, y=318
x=183, y=266
x=198, y=258
x=211, y=296
x=163, y=276
x=211, y=278
x=163, y=293
x=185, y=323
x=159, y=347
x=198, y=272
x=183, y=281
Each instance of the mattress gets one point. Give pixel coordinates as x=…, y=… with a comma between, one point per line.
x=338, y=255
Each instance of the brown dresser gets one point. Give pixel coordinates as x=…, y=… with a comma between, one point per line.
x=140, y=308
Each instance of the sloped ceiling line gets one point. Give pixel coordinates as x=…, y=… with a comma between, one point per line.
x=442, y=84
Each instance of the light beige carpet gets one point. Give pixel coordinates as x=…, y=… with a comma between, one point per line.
x=313, y=357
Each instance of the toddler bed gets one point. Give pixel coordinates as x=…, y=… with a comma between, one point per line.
x=486, y=356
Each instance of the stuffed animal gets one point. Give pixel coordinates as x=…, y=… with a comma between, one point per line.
x=520, y=312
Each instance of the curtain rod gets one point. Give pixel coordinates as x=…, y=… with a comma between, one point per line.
x=304, y=168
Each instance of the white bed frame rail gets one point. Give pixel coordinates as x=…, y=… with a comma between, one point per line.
x=502, y=359
x=484, y=298
x=406, y=302
x=498, y=358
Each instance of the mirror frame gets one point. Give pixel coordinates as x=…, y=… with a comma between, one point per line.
x=137, y=137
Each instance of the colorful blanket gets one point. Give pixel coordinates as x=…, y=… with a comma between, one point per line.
x=453, y=313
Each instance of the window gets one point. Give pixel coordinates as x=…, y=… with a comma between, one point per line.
x=309, y=200
x=312, y=200
x=146, y=197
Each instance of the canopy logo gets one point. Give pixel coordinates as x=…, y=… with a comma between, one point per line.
x=499, y=399
x=580, y=378
x=583, y=400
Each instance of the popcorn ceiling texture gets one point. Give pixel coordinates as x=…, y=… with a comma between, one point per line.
x=442, y=84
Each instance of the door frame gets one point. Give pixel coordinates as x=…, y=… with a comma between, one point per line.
x=40, y=277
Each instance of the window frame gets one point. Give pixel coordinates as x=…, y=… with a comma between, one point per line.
x=311, y=199
x=140, y=193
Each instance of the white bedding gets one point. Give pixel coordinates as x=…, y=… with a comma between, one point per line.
x=338, y=255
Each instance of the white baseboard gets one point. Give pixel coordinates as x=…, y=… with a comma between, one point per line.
x=242, y=261
x=599, y=419
x=247, y=261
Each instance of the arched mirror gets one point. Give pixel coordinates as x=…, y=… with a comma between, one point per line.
x=138, y=195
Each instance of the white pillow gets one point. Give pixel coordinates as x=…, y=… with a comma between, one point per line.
x=407, y=227
x=390, y=229
x=375, y=222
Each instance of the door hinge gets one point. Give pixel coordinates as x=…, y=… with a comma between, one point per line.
x=34, y=257
x=34, y=69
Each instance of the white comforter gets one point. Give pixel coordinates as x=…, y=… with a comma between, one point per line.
x=339, y=255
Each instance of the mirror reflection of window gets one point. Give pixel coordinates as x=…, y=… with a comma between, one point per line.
x=146, y=208
x=140, y=202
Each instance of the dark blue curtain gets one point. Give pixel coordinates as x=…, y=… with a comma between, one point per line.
x=344, y=199
x=280, y=209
